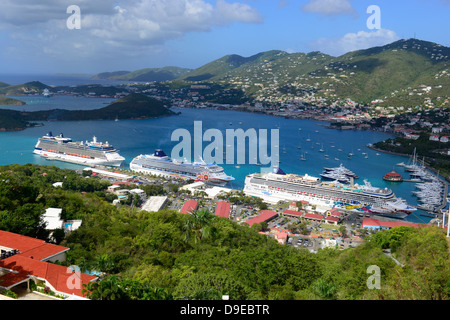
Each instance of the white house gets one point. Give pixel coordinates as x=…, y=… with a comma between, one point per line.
x=52, y=218
x=434, y=138
x=444, y=139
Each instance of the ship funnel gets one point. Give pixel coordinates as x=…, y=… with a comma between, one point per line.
x=278, y=170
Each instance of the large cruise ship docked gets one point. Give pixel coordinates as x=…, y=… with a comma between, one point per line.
x=161, y=164
x=86, y=153
x=277, y=185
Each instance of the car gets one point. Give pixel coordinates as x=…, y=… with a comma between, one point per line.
x=299, y=241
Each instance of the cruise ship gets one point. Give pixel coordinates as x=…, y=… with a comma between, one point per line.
x=160, y=164
x=277, y=185
x=85, y=153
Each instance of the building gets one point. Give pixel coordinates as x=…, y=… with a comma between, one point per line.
x=24, y=259
x=434, y=137
x=293, y=205
x=393, y=176
x=52, y=218
x=223, y=209
x=375, y=224
x=154, y=203
x=293, y=213
x=313, y=216
x=189, y=206
x=331, y=220
x=264, y=216
x=444, y=139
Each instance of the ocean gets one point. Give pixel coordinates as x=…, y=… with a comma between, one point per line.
x=134, y=137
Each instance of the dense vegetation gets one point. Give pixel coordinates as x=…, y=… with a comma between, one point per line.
x=168, y=255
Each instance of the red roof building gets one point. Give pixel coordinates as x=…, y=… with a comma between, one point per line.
x=293, y=213
x=393, y=176
x=223, y=209
x=371, y=223
x=25, y=258
x=331, y=220
x=313, y=216
x=265, y=216
x=189, y=206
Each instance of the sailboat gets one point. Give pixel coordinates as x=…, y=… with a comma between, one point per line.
x=321, y=149
x=302, y=157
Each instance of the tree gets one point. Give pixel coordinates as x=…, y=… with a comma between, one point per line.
x=199, y=225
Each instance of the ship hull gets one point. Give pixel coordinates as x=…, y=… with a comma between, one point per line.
x=78, y=160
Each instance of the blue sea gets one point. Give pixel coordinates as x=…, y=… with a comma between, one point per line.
x=134, y=137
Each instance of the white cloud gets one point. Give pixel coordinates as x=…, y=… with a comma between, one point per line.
x=354, y=41
x=111, y=28
x=329, y=7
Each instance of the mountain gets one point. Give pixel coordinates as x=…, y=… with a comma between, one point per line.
x=404, y=73
x=25, y=88
x=220, y=67
x=147, y=74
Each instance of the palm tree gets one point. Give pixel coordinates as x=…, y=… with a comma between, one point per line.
x=199, y=224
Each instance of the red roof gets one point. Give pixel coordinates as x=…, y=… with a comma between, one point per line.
x=28, y=246
x=223, y=209
x=332, y=219
x=29, y=262
x=58, y=276
x=389, y=224
x=264, y=216
x=189, y=206
x=335, y=212
x=293, y=213
x=313, y=216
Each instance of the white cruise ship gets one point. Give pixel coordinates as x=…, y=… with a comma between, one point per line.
x=277, y=185
x=161, y=164
x=86, y=153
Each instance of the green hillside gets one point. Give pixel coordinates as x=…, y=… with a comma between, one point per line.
x=133, y=106
x=147, y=74
x=167, y=255
x=25, y=88
x=404, y=73
x=6, y=101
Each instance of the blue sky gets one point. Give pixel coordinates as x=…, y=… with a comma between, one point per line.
x=134, y=34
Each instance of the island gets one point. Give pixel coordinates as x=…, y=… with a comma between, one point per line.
x=133, y=106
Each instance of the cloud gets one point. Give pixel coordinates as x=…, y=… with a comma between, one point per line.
x=354, y=41
x=329, y=7
x=111, y=28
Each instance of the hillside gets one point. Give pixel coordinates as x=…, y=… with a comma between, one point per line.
x=168, y=255
x=25, y=88
x=147, y=74
x=133, y=106
x=6, y=101
x=403, y=73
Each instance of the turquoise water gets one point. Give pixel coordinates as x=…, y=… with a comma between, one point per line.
x=134, y=137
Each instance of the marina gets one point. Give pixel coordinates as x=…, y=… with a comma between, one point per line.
x=132, y=138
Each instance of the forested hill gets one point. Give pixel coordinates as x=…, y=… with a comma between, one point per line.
x=169, y=255
x=133, y=106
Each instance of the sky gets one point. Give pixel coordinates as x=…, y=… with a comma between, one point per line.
x=53, y=36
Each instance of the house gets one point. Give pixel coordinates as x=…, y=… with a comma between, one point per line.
x=52, y=218
x=444, y=139
x=437, y=129
x=24, y=259
x=434, y=137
